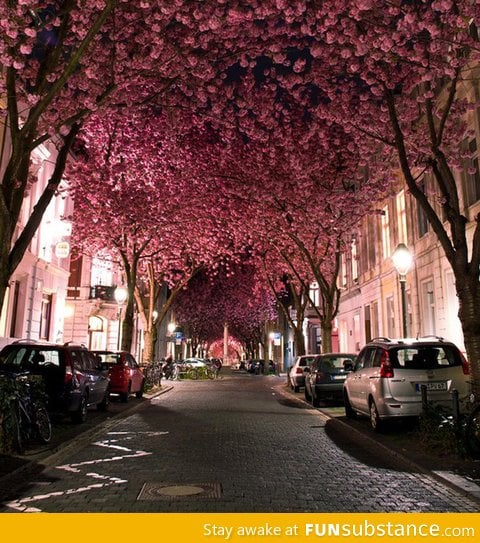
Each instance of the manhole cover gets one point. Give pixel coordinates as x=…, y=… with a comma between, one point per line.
x=162, y=491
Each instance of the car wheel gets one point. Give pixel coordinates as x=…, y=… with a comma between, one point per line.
x=80, y=415
x=103, y=405
x=296, y=388
x=349, y=411
x=139, y=394
x=315, y=400
x=124, y=396
x=375, y=420
x=307, y=394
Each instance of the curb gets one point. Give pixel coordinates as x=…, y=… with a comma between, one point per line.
x=52, y=457
x=450, y=479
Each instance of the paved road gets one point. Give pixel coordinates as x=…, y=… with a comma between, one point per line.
x=232, y=445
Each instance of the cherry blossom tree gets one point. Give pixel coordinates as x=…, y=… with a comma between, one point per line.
x=235, y=295
x=156, y=226
x=298, y=210
x=64, y=59
x=408, y=79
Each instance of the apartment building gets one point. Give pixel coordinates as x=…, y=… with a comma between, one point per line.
x=34, y=303
x=371, y=301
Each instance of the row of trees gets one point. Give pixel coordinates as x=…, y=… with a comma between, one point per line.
x=288, y=103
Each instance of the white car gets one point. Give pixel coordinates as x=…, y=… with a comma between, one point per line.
x=389, y=375
x=296, y=375
x=194, y=362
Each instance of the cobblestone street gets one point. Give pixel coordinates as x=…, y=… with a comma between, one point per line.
x=236, y=444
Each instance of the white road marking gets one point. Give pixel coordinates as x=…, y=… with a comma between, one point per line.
x=21, y=506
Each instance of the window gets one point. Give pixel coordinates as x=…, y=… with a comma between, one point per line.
x=472, y=174
x=428, y=308
x=45, y=316
x=343, y=270
x=354, y=261
x=422, y=221
x=313, y=293
x=368, y=324
x=101, y=273
x=371, y=243
x=386, y=246
x=390, y=317
x=374, y=319
x=401, y=217
x=15, y=313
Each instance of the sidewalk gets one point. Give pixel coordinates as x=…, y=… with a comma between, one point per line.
x=67, y=436
x=400, y=444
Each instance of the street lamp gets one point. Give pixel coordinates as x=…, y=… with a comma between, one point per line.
x=121, y=296
x=402, y=260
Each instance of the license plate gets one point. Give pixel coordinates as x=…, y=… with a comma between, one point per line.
x=436, y=385
x=339, y=377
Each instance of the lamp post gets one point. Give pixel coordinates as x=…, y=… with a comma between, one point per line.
x=171, y=330
x=402, y=260
x=121, y=296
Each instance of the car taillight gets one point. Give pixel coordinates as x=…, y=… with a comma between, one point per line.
x=386, y=368
x=68, y=375
x=465, y=365
x=299, y=370
x=319, y=377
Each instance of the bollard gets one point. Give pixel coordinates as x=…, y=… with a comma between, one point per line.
x=423, y=390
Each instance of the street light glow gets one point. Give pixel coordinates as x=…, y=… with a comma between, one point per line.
x=121, y=295
x=402, y=259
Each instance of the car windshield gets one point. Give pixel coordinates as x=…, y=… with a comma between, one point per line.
x=305, y=361
x=109, y=358
x=424, y=357
x=28, y=358
x=335, y=362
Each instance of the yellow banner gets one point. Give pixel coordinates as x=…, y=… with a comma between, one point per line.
x=242, y=527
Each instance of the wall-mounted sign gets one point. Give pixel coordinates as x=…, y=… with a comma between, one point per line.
x=62, y=249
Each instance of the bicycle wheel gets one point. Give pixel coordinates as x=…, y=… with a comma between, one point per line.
x=192, y=373
x=472, y=433
x=43, y=426
x=13, y=429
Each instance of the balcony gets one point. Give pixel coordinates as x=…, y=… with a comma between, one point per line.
x=102, y=292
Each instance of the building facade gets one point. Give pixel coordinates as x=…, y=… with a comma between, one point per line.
x=34, y=303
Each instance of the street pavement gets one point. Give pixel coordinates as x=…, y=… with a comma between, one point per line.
x=237, y=444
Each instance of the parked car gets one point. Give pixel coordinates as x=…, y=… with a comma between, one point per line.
x=296, y=375
x=388, y=375
x=255, y=366
x=74, y=381
x=125, y=374
x=325, y=375
x=194, y=362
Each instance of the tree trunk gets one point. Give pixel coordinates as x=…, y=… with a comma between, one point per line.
x=326, y=330
x=149, y=346
x=469, y=314
x=299, y=340
x=128, y=324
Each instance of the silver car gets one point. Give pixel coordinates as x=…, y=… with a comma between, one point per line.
x=387, y=379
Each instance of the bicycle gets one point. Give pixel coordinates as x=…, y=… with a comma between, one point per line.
x=471, y=430
x=27, y=417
